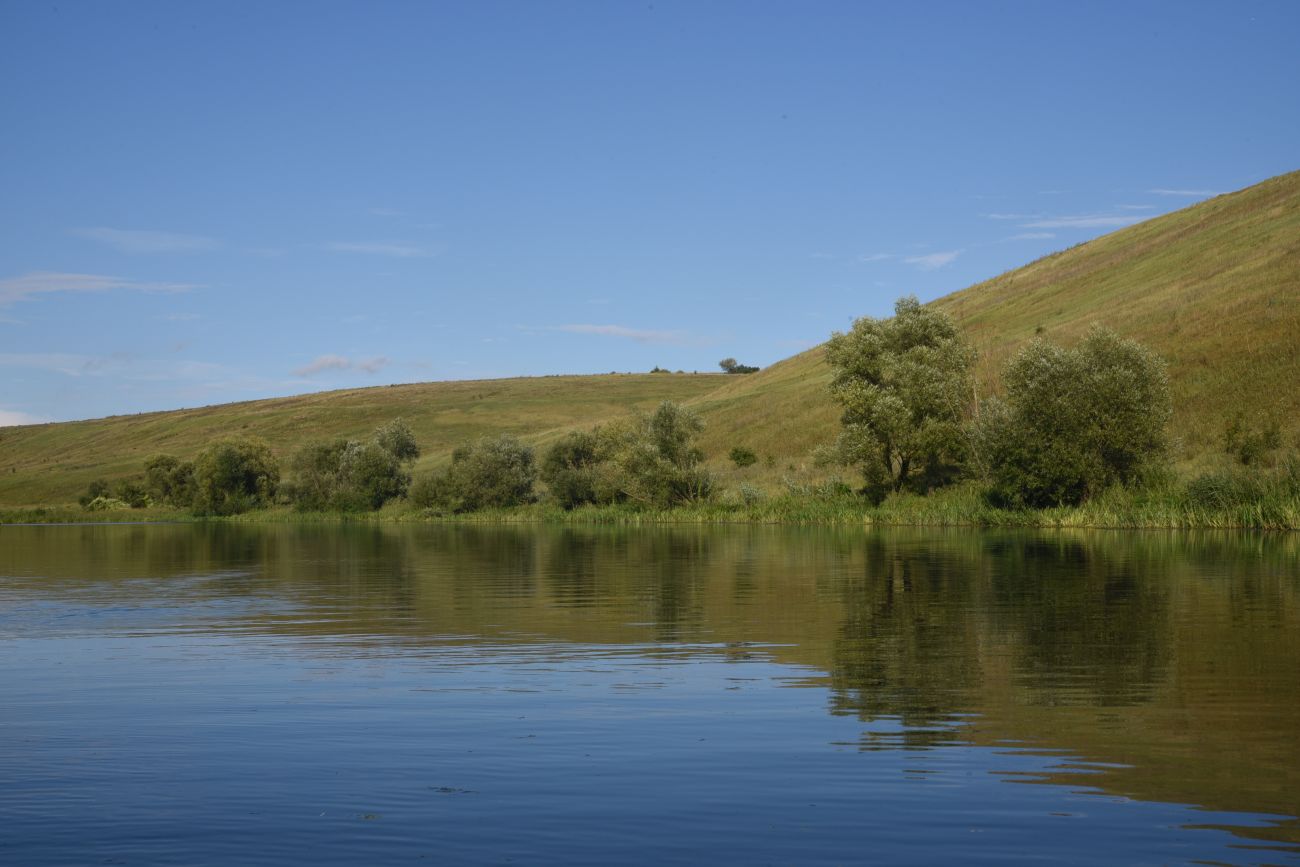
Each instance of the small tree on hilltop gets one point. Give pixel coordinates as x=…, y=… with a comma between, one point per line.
x=905, y=386
x=1074, y=421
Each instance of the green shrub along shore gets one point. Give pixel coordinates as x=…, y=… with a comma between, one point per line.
x=1077, y=437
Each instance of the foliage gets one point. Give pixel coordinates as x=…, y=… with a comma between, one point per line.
x=904, y=384
x=1075, y=421
x=397, y=438
x=569, y=469
x=742, y=457
x=730, y=365
x=169, y=480
x=651, y=459
x=105, y=504
x=94, y=491
x=132, y=493
x=349, y=475
x=1251, y=441
x=493, y=472
x=234, y=475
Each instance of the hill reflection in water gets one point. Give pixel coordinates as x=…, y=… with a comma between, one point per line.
x=1155, y=667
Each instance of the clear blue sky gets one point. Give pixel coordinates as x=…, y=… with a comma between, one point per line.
x=206, y=202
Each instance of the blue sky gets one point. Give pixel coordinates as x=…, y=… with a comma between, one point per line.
x=207, y=202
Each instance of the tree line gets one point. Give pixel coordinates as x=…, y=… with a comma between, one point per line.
x=1071, y=422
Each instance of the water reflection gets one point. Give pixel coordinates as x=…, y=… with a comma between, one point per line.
x=1162, y=667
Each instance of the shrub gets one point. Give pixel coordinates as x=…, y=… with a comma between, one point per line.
x=742, y=457
x=349, y=475
x=730, y=365
x=95, y=490
x=905, y=386
x=169, y=480
x=490, y=473
x=1075, y=421
x=234, y=475
x=132, y=493
x=652, y=459
x=569, y=470
x=398, y=440
x=1249, y=442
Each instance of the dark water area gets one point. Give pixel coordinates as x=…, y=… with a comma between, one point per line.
x=486, y=695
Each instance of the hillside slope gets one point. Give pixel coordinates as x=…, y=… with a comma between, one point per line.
x=53, y=463
x=1214, y=288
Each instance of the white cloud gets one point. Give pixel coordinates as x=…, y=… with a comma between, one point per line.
x=640, y=335
x=144, y=241
x=1136, y=207
x=875, y=257
x=931, y=261
x=1031, y=236
x=12, y=418
x=1188, y=193
x=322, y=363
x=1084, y=221
x=1011, y=216
x=32, y=283
x=395, y=249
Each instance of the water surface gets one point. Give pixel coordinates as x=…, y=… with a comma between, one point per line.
x=250, y=694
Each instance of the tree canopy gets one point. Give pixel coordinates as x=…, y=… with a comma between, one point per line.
x=905, y=387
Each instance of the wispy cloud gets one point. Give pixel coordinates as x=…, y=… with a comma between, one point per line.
x=1136, y=207
x=1084, y=221
x=640, y=335
x=12, y=417
x=875, y=257
x=145, y=241
x=1031, y=236
x=322, y=363
x=932, y=261
x=178, y=317
x=395, y=249
x=1187, y=193
x=14, y=289
x=1011, y=216
x=122, y=364
x=386, y=212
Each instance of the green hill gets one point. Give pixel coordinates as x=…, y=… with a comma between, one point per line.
x=1215, y=288
x=53, y=463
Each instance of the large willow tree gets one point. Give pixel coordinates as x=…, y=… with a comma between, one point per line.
x=905, y=386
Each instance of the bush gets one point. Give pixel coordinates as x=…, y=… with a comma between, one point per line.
x=569, y=470
x=169, y=480
x=490, y=473
x=1075, y=421
x=234, y=475
x=742, y=457
x=652, y=459
x=351, y=476
x=1250, y=442
x=132, y=493
x=730, y=365
x=905, y=386
x=94, y=491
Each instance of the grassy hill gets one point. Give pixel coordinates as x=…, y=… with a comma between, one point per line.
x=53, y=463
x=1215, y=288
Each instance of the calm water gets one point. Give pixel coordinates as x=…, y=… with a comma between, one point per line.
x=339, y=695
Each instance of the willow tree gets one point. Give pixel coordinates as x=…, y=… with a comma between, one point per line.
x=905, y=387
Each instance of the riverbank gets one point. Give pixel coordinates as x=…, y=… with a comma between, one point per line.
x=960, y=506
